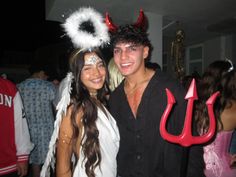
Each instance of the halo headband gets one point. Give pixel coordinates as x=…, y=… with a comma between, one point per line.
x=80, y=36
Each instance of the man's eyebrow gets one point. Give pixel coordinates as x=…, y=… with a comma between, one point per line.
x=129, y=45
x=134, y=45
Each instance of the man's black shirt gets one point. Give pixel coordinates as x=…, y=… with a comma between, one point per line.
x=143, y=152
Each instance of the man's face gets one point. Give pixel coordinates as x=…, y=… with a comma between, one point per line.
x=130, y=57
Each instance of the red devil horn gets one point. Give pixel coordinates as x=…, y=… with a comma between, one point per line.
x=112, y=27
x=141, y=22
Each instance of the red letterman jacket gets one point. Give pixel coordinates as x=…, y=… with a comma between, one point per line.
x=15, y=145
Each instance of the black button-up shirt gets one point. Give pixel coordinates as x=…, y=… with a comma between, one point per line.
x=143, y=152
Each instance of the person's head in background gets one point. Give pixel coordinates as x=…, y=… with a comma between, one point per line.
x=131, y=46
x=114, y=74
x=152, y=65
x=186, y=81
x=90, y=74
x=218, y=76
x=4, y=75
x=39, y=71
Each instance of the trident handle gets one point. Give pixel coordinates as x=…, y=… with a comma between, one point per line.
x=186, y=138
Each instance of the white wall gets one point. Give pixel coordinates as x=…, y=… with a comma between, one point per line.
x=212, y=51
x=218, y=48
x=155, y=36
x=234, y=49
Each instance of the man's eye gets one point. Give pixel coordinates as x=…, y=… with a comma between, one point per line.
x=116, y=51
x=133, y=48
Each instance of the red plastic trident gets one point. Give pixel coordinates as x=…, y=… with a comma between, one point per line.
x=186, y=138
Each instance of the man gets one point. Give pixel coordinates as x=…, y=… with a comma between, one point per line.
x=38, y=94
x=15, y=145
x=138, y=104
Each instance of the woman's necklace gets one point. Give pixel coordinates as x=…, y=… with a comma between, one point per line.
x=93, y=94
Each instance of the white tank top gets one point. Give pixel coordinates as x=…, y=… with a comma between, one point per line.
x=109, y=139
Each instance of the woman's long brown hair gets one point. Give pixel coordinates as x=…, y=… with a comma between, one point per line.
x=217, y=77
x=81, y=100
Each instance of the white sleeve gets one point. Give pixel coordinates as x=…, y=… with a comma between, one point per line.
x=22, y=136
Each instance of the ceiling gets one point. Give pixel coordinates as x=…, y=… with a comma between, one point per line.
x=26, y=25
x=201, y=19
x=30, y=24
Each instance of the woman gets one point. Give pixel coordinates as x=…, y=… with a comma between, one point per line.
x=219, y=76
x=85, y=133
x=114, y=74
x=87, y=130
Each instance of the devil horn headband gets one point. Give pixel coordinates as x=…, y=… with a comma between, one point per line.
x=140, y=23
x=112, y=27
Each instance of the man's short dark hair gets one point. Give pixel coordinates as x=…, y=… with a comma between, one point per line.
x=132, y=34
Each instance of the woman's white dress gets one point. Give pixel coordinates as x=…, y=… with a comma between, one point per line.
x=109, y=139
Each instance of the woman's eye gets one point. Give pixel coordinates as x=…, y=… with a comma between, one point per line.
x=101, y=65
x=86, y=68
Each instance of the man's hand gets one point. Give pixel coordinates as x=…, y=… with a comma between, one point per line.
x=22, y=168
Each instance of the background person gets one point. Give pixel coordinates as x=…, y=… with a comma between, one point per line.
x=218, y=76
x=114, y=74
x=15, y=145
x=37, y=94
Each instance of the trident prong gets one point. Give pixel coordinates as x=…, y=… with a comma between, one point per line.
x=186, y=138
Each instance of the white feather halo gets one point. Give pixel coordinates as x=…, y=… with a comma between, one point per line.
x=83, y=39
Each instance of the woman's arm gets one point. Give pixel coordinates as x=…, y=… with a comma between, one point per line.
x=64, y=151
x=64, y=148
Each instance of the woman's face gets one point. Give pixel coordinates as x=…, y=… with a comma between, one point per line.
x=93, y=73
